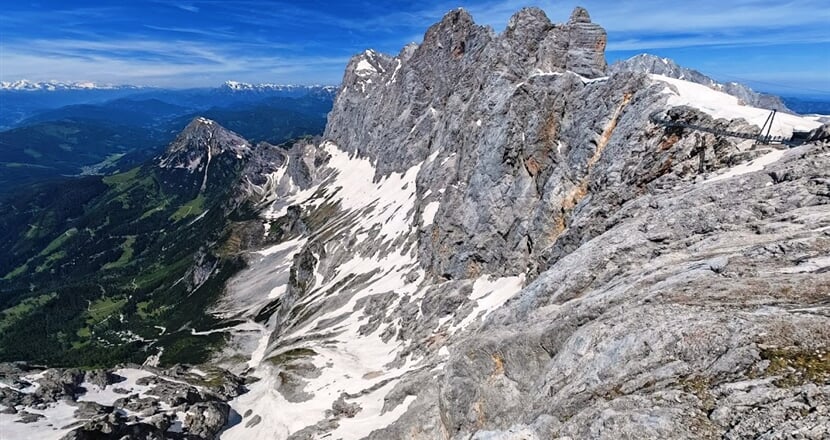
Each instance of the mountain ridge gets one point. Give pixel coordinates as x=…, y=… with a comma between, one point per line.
x=648, y=63
x=51, y=86
x=230, y=85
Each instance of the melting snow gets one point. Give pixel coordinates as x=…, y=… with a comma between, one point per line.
x=57, y=417
x=368, y=419
x=348, y=360
x=107, y=396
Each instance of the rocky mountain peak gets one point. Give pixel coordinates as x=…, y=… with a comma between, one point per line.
x=579, y=15
x=528, y=26
x=531, y=17
x=456, y=61
x=201, y=141
x=454, y=19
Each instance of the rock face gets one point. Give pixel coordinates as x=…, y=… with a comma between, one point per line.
x=405, y=91
x=496, y=241
x=647, y=63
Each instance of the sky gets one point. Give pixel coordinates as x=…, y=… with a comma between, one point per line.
x=780, y=46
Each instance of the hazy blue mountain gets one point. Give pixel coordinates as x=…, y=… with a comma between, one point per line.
x=807, y=106
x=21, y=104
x=124, y=111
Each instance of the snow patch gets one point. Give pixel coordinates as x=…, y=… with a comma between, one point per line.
x=365, y=68
x=54, y=425
x=489, y=294
x=428, y=216
x=750, y=167
x=107, y=396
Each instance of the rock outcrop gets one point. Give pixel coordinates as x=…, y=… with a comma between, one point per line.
x=181, y=403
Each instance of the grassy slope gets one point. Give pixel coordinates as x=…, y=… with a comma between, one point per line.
x=97, y=283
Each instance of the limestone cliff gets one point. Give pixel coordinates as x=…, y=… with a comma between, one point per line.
x=506, y=246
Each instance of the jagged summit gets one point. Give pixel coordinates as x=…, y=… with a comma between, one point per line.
x=580, y=15
x=578, y=46
x=457, y=59
x=200, y=142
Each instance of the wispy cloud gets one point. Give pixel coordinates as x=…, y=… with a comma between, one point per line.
x=199, y=41
x=185, y=6
x=162, y=62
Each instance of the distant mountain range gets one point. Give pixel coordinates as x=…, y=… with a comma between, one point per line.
x=234, y=86
x=53, y=133
x=51, y=86
x=22, y=100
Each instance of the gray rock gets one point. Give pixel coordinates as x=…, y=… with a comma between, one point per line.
x=653, y=293
x=102, y=378
x=59, y=384
x=175, y=394
x=101, y=429
x=90, y=410
x=27, y=417
x=341, y=408
x=205, y=420
x=253, y=421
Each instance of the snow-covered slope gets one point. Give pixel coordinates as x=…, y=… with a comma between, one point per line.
x=342, y=335
x=651, y=64
x=721, y=105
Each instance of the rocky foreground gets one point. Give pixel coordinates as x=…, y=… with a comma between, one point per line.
x=495, y=240
x=130, y=402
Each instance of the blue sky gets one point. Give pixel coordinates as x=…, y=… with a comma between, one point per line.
x=779, y=46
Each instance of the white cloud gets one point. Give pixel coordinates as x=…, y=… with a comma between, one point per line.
x=242, y=42
x=160, y=63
